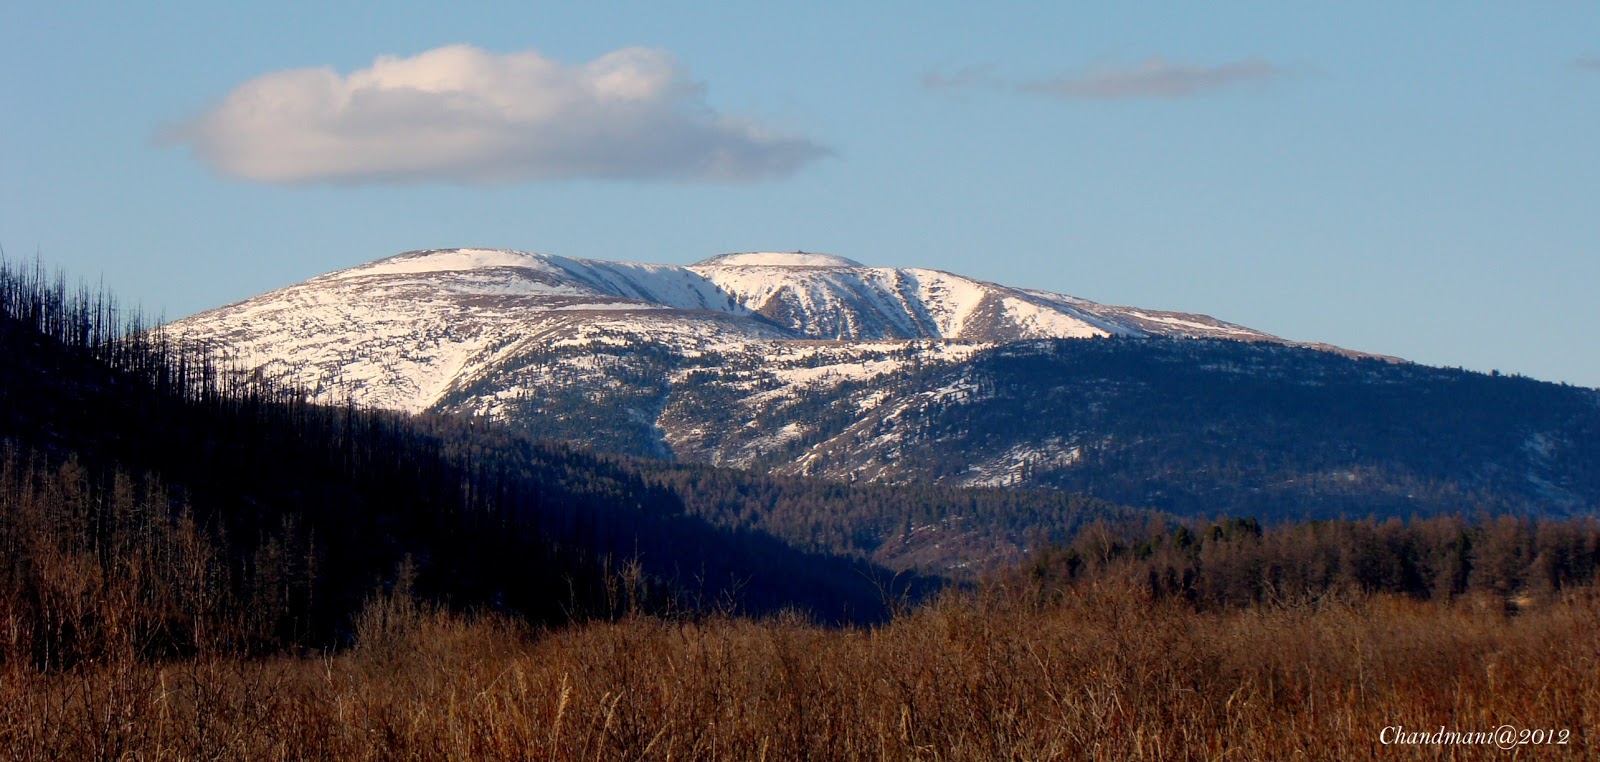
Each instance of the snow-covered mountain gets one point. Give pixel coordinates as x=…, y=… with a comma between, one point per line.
x=711, y=362
x=812, y=364
x=408, y=331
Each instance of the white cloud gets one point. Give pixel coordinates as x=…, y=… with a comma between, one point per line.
x=1155, y=78
x=1586, y=63
x=459, y=114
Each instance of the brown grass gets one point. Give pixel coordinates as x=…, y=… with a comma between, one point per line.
x=1101, y=674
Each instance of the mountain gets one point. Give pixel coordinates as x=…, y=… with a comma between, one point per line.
x=411, y=331
x=812, y=364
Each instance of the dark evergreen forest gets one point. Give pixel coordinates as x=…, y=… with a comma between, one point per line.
x=1507, y=561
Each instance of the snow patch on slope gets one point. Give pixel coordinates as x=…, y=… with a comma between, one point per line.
x=1017, y=464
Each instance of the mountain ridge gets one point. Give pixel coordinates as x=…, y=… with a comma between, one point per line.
x=518, y=298
x=813, y=365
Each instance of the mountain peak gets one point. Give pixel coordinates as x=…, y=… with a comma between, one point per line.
x=411, y=330
x=777, y=259
x=442, y=260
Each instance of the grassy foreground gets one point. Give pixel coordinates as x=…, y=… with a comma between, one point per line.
x=1099, y=672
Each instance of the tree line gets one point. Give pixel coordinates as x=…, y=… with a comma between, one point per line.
x=1236, y=561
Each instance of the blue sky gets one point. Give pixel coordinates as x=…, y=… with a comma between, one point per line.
x=1418, y=179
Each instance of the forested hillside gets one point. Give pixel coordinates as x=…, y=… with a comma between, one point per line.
x=1200, y=428
x=110, y=435
x=1191, y=427
x=291, y=514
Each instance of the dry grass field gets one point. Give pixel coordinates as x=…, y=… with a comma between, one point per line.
x=1097, y=672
